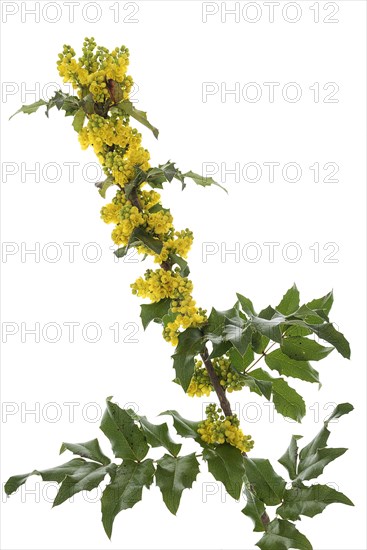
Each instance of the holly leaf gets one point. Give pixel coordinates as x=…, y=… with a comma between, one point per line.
x=225, y=463
x=184, y=427
x=141, y=116
x=286, y=400
x=29, y=109
x=324, y=303
x=268, y=327
x=202, y=180
x=154, y=312
x=104, y=185
x=290, y=458
x=246, y=304
x=289, y=302
x=157, y=435
x=125, y=490
x=277, y=360
x=173, y=475
x=315, y=456
x=283, y=535
x=304, y=349
x=126, y=438
x=238, y=361
x=190, y=343
x=254, y=509
x=89, y=449
x=309, y=501
x=266, y=484
x=79, y=119
x=87, y=477
x=140, y=236
x=52, y=474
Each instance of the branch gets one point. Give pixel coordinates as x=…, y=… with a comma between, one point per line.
x=224, y=403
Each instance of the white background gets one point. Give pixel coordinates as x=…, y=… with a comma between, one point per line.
x=173, y=52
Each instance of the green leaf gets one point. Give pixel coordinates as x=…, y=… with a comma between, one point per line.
x=125, y=490
x=154, y=312
x=140, y=236
x=202, y=180
x=127, y=439
x=104, y=185
x=238, y=361
x=328, y=333
x=87, y=103
x=86, y=478
x=239, y=337
x=139, y=178
x=266, y=484
x=32, y=108
x=260, y=387
x=141, y=116
x=246, y=304
x=269, y=327
x=315, y=456
x=184, y=427
x=52, y=474
x=182, y=263
x=214, y=329
x=282, y=363
x=313, y=466
x=190, y=343
x=121, y=252
x=309, y=501
x=289, y=302
x=322, y=437
x=157, y=435
x=173, y=475
x=89, y=449
x=78, y=121
x=325, y=303
x=226, y=464
x=254, y=509
x=282, y=535
x=286, y=400
x=259, y=342
x=290, y=458
x=304, y=349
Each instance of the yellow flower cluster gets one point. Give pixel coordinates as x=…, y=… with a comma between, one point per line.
x=200, y=382
x=218, y=429
x=114, y=132
x=92, y=71
x=160, y=284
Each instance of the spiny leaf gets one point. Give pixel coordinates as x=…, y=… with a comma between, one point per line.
x=141, y=116
x=290, y=458
x=304, y=349
x=289, y=302
x=277, y=360
x=267, y=485
x=173, y=475
x=254, y=509
x=125, y=490
x=190, y=343
x=184, y=427
x=286, y=400
x=32, y=108
x=158, y=435
x=309, y=501
x=283, y=535
x=225, y=463
x=52, y=474
x=89, y=449
x=86, y=478
x=154, y=312
x=126, y=438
